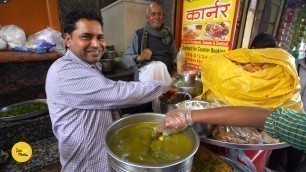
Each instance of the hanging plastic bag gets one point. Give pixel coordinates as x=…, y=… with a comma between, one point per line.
x=277, y=84
x=47, y=36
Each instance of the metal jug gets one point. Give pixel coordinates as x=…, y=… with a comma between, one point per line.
x=189, y=83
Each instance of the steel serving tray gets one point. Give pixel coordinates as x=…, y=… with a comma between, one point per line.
x=199, y=104
x=265, y=146
x=26, y=115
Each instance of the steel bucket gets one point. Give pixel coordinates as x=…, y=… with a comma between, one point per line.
x=119, y=165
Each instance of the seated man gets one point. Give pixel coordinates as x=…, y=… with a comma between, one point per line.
x=152, y=49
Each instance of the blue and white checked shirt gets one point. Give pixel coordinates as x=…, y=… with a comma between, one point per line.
x=81, y=103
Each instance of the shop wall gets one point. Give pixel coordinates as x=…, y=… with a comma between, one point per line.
x=31, y=15
x=123, y=17
x=21, y=80
x=66, y=5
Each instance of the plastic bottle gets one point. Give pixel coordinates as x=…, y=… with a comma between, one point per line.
x=180, y=60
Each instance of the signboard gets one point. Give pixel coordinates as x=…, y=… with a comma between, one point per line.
x=208, y=27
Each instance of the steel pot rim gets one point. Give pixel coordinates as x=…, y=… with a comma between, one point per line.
x=189, y=128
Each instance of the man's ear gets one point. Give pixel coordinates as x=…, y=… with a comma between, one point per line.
x=67, y=39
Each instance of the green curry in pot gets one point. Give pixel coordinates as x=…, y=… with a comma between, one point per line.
x=134, y=144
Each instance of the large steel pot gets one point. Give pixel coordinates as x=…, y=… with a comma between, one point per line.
x=120, y=165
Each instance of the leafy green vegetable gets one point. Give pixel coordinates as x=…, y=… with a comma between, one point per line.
x=23, y=109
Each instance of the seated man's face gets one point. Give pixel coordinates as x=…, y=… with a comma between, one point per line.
x=87, y=41
x=155, y=16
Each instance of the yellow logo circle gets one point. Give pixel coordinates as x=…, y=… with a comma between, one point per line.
x=21, y=152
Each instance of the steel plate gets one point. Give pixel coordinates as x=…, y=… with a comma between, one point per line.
x=26, y=115
x=267, y=146
x=236, y=165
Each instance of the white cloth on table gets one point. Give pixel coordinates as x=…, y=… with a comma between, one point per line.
x=154, y=70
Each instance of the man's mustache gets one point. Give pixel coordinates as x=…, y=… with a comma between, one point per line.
x=156, y=20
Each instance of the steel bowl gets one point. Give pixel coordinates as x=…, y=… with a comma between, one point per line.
x=188, y=83
x=204, y=130
x=190, y=90
x=118, y=164
x=188, y=79
x=167, y=104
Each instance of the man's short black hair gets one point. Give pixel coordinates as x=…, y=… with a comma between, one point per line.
x=263, y=40
x=77, y=14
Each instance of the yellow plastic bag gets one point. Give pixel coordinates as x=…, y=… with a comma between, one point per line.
x=227, y=83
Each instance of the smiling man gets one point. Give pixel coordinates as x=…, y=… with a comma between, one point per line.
x=153, y=43
x=86, y=42
x=82, y=102
x=152, y=49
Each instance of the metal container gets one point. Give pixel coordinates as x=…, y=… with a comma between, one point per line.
x=26, y=115
x=190, y=90
x=120, y=165
x=166, y=105
x=264, y=146
x=189, y=83
x=188, y=79
x=108, y=65
x=109, y=55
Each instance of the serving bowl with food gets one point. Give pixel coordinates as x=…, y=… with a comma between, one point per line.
x=168, y=102
x=131, y=145
x=24, y=110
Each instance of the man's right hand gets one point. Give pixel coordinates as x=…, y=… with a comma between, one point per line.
x=144, y=56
